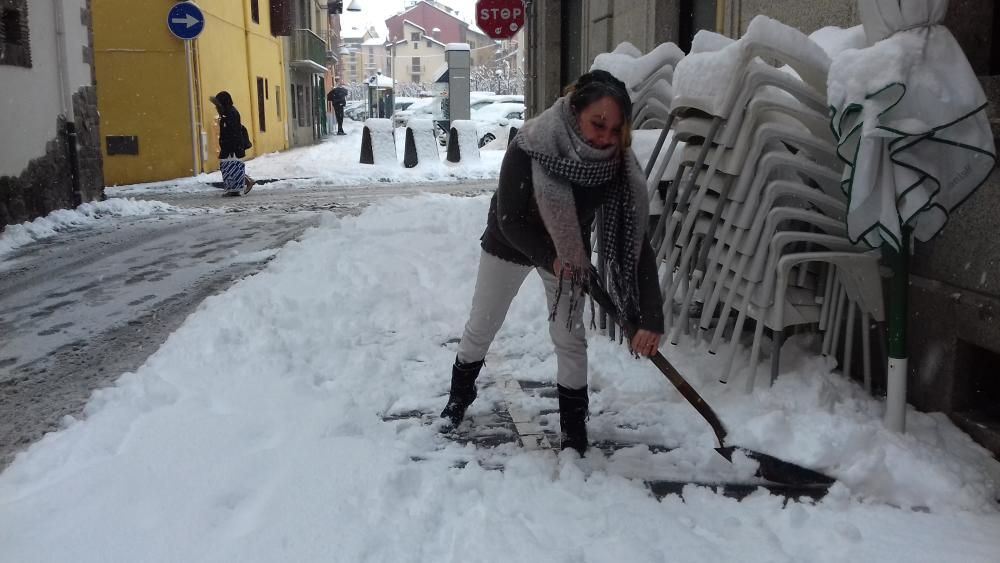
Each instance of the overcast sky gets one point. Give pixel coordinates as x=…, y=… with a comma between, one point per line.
x=375, y=12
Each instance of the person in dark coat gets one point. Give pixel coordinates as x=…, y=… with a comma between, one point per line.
x=338, y=97
x=232, y=146
x=561, y=167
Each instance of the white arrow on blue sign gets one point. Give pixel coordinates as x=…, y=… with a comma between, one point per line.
x=185, y=20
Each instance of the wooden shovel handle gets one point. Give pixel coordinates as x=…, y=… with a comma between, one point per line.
x=690, y=395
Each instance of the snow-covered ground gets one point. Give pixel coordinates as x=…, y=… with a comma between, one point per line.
x=255, y=434
x=333, y=162
x=16, y=236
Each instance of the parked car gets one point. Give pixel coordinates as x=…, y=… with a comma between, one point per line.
x=485, y=101
x=500, y=134
x=423, y=108
x=493, y=121
x=356, y=110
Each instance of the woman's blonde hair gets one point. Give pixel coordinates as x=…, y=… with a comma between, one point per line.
x=598, y=84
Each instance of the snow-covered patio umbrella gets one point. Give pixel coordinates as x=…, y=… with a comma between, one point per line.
x=910, y=119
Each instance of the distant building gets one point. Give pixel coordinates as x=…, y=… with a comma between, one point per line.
x=425, y=25
x=416, y=55
x=362, y=53
x=50, y=154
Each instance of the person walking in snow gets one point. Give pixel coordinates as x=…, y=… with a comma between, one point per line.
x=233, y=142
x=562, y=166
x=338, y=97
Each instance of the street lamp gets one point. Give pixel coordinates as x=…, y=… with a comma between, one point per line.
x=337, y=6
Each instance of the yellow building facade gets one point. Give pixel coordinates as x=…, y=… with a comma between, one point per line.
x=143, y=90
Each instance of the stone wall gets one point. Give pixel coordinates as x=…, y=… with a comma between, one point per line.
x=46, y=183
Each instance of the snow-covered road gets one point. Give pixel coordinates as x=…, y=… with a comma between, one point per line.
x=80, y=308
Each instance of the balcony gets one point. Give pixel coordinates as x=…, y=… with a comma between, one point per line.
x=308, y=51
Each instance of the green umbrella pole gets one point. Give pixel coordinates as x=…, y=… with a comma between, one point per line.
x=899, y=288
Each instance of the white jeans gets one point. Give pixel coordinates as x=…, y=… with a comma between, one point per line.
x=496, y=285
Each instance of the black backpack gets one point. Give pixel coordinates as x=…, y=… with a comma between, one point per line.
x=246, y=138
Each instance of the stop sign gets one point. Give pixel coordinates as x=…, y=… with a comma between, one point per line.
x=500, y=19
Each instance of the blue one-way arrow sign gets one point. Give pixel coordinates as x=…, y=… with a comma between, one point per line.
x=185, y=20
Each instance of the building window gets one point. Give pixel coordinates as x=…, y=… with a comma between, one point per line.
x=416, y=45
x=261, y=106
x=415, y=78
x=415, y=67
x=295, y=108
x=277, y=100
x=15, y=43
x=255, y=11
x=300, y=95
x=429, y=44
x=415, y=37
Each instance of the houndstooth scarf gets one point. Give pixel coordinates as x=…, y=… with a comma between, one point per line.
x=560, y=158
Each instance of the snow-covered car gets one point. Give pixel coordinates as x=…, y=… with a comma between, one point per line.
x=402, y=103
x=356, y=110
x=497, y=138
x=493, y=121
x=483, y=101
x=423, y=108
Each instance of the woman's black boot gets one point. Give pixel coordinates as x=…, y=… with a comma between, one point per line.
x=463, y=390
x=573, y=408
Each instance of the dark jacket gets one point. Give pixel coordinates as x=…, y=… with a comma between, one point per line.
x=337, y=96
x=230, y=131
x=515, y=232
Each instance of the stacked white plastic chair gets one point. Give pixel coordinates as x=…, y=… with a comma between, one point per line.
x=648, y=80
x=754, y=219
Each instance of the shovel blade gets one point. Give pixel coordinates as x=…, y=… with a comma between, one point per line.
x=779, y=471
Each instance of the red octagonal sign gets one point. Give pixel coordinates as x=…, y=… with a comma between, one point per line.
x=500, y=19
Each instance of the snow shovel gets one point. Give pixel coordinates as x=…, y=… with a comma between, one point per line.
x=770, y=467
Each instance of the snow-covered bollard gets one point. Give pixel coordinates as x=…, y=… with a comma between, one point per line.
x=421, y=146
x=463, y=141
x=377, y=143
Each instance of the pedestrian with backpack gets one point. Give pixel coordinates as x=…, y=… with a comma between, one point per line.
x=234, y=140
x=560, y=169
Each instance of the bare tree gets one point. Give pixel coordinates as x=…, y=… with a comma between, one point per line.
x=498, y=76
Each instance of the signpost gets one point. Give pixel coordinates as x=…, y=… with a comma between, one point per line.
x=500, y=19
x=186, y=21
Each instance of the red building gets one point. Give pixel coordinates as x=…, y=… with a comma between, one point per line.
x=442, y=24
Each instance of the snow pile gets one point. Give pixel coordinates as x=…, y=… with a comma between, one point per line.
x=425, y=143
x=710, y=78
x=383, y=141
x=632, y=69
x=255, y=434
x=15, y=236
x=857, y=73
x=468, y=140
x=835, y=40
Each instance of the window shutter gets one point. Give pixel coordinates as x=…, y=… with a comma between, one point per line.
x=281, y=18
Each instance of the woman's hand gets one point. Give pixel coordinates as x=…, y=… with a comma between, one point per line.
x=645, y=342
